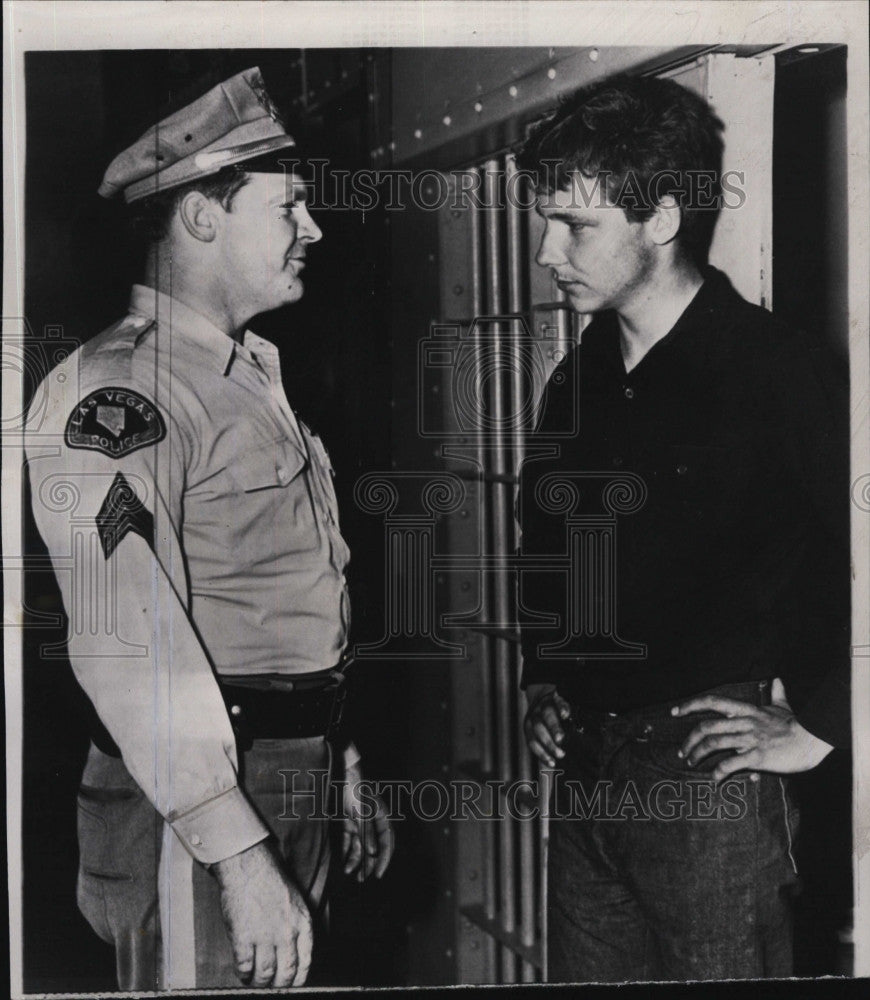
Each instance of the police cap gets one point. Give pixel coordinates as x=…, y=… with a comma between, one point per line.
x=233, y=123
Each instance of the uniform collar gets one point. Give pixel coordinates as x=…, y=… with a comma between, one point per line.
x=192, y=326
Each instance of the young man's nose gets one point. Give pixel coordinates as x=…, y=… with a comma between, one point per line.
x=549, y=254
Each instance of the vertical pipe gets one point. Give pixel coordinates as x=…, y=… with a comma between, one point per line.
x=501, y=494
x=520, y=385
x=486, y=735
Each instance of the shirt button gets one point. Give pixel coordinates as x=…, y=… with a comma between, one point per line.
x=682, y=470
x=629, y=393
x=617, y=461
x=196, y=840
x=235, y=709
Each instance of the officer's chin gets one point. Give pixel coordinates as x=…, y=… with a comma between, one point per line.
x=294, y=292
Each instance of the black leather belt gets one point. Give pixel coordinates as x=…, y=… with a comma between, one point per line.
x=657, y=719
x=310, y=709
x=278, y=707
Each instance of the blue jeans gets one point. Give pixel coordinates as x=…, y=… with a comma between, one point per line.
x=656, y=874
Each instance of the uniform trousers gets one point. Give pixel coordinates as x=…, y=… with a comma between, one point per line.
x=121, y=837
x=654, y=873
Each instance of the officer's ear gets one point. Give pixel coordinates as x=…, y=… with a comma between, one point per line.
x=664, y=224
x=198, y=215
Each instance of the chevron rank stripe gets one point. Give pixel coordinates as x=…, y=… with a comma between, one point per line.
x=122, y=512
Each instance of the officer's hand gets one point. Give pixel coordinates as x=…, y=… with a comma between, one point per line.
x=543, y=723
x=368, y=839
x=767, y=738
x=267, y=919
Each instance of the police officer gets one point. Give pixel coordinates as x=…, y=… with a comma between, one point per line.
x=193, y=528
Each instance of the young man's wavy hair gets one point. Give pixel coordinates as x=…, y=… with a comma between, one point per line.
x=646, y=138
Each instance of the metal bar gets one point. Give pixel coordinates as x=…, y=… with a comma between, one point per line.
x=509, y=940
x=486, y=734
x=518, y=389
x=501, y=541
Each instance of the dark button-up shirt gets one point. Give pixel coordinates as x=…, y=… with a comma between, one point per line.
x=692, y=529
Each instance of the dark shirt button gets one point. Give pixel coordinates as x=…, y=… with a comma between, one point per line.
x=629, y=393
x=617, y=461
x=682, y=470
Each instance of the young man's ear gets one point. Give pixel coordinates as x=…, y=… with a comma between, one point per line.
x=664, y=224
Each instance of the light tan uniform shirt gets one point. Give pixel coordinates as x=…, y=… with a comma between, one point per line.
x=240, y=573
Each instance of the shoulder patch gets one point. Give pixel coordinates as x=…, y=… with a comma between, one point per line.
x=115, y=422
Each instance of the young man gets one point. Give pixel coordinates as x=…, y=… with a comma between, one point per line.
x=713, y=653
x=193, y=528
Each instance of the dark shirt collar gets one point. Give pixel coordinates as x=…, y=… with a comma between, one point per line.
x=715, y=296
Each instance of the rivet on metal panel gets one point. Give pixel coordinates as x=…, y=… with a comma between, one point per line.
x=478, y=107
x=458, y=289
x=418, y=133
x=512, y=90
x=447, y=120
x=551, y=73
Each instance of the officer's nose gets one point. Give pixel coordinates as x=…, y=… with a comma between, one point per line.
x=307, y=228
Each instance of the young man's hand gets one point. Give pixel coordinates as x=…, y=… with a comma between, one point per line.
x=767, y=738
x=543, y=722
x=267, y=919
x=368, y=840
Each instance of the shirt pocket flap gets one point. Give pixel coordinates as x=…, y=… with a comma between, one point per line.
x=273, y=465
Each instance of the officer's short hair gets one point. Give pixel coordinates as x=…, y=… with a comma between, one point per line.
x=149, y=218
x=648, y=137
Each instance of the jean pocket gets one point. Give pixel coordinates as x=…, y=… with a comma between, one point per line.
x=663, y=756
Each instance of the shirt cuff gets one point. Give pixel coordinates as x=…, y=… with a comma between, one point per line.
x=221, y=827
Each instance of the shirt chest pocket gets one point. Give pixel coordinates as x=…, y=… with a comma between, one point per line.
x=323, y=474
x=271, y=466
